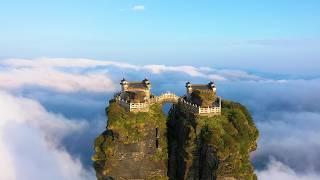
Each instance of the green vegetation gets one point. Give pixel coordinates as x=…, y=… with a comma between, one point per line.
x=213, y=147
x=233, y=136
x=131, y=139
x=194, y=147
x=203, y=97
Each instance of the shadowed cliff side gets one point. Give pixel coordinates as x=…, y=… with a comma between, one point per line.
x=215, y=147
x=134, y=146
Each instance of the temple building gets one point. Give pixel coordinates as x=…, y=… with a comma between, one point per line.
x=200, y=99
x=201, y=94
x=135, y=91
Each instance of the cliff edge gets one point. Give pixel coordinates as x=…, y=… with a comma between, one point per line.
x=215, y=147
x=202, y=137
x=149, y=145
x=134, y=145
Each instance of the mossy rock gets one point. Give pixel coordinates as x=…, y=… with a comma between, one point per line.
x=220, y=145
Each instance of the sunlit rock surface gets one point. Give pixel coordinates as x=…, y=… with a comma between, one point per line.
x=211, y=147
x=134, y=146
x=149, y=145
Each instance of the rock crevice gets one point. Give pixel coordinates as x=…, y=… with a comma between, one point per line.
x=150, y=145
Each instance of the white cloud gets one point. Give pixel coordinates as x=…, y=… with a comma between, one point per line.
x=45, y=72
x=290, y=137
x=206, y=72
x=138, y=8
x=287, y=116
x=190, y=70
x=236, y=74
x=277, y=170
x=216, y=77
x=71, y=75
x=54, y=79
x=29, y=142
x=24, y=121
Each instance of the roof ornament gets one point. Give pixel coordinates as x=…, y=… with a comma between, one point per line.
x=146, y=81
x=212, y=84
x=123, y=81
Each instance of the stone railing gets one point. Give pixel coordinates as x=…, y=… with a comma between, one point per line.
x=215, y=109
x=131, y=106
x=165, y=97
x=209, y=110
x=169, y=97
x=139, y=106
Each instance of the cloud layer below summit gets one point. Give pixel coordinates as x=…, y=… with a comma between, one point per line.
x=30, y=142
x=53, y=108
x=71, y=75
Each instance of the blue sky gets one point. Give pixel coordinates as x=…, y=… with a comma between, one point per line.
x=72, y=54
x=267, y=36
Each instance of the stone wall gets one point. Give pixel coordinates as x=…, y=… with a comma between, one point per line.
x=186, y=106
x=139, y=107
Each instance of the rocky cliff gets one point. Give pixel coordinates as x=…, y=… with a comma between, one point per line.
x=180, y=146
x=134, y=146
x=215, y=147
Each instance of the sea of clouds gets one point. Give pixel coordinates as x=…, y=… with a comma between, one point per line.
x=51, y=109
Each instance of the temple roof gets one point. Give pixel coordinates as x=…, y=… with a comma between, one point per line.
x=136, y=96
x=137, y=85
x=208, y=86
x=144, y=84
x=200, y=86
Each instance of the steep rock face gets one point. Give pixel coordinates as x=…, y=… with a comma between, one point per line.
x=180, y=146
x=211, y=147
x=134, y=146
